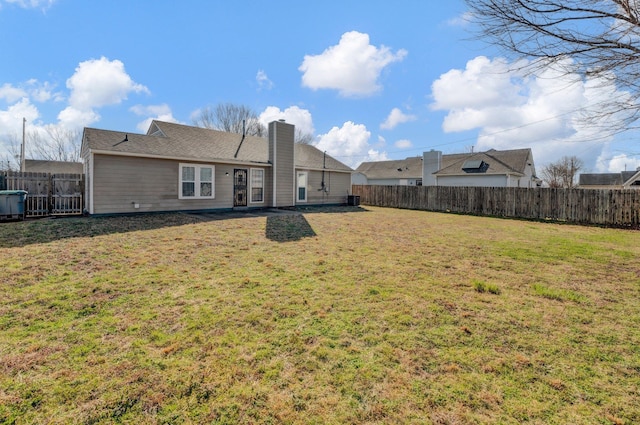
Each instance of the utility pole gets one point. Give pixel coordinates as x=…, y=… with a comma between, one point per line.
x=24, y=124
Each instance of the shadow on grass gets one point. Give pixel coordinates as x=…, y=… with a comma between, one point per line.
x=282, y=224
x=286, y=228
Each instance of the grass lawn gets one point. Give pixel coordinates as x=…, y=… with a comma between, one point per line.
x=338, y=315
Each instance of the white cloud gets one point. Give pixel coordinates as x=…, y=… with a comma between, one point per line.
x=42, y=92
x=619, y=163
x=11, y=125
x=94, y=84
x=301, y=118
x=403, y=144
x=352, y=67
x=263, y=80
x=10, y=93
x=396, y=116
x=152, y=112
x=30, y=4
x=512, y=110
x=11, y=119
x=349, y=144
x=71, y=117
x=461, y=20
x=100, y=82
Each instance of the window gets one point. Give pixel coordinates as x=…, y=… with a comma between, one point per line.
x=257, y=185
x=196, y=181
x=302, y=186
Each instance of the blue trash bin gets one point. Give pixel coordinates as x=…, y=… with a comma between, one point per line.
x=12, y=204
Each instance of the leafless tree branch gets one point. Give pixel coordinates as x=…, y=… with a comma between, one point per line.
x=599, y=39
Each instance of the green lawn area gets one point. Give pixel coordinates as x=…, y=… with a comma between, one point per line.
x=336, y=315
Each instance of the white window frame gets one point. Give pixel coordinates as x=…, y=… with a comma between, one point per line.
x=306, y=186
x=251, y=187
x=197, y=182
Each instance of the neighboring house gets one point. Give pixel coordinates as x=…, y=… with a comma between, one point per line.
x=508, y=168
x=622, y=180
x=402, y=172
x=177, y=167
x=52, y=167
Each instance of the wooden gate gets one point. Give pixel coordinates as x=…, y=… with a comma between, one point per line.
x=48, y=194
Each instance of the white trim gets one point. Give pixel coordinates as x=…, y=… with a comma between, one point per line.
x=197, y=182
x=91, y=182
x=306, y=186
x=251, y=170
x=631, y=181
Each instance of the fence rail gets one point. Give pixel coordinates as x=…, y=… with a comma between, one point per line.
x=607, y=207
x=48, y=194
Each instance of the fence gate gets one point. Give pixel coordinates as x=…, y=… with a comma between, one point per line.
x=48, y=194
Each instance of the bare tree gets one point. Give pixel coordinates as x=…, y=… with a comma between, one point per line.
x=11, y=160
x=562, y=173
x=599, y=39
x=60, y=145
x=55, y=144
x=230, y=117
x=302, y=137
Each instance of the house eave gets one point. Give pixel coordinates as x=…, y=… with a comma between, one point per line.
x=181, y=158
x=628, y=183
x=477, y=174
x=305, y=168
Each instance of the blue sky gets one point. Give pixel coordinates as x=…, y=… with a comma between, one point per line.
x=370, y=80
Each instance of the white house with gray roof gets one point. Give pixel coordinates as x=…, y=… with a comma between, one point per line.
x=175, y=167
x=493, y=168
x=621, y=180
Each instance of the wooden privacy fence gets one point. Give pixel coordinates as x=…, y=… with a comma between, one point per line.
x=607, y=207
x=48, y=194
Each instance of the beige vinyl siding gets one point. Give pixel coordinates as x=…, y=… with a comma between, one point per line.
x=339, y=185
x=474, y=180
x=281, y=152
x=122, y=182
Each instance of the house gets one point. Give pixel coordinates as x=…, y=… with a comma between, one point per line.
x=176, y=167
x=52, y=167
x=622, y=180
x=507, y=168
x=402, y=172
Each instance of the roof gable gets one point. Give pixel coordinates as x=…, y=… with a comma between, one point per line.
x=408, y=168
x=513, y=161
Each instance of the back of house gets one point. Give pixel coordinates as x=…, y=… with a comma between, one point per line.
x=175, y=167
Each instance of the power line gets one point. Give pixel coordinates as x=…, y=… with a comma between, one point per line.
x=475, y=138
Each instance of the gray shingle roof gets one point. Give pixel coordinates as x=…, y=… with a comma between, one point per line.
x=512, y=161
x=410, y=168
x=177, y=141
x=606, y=179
